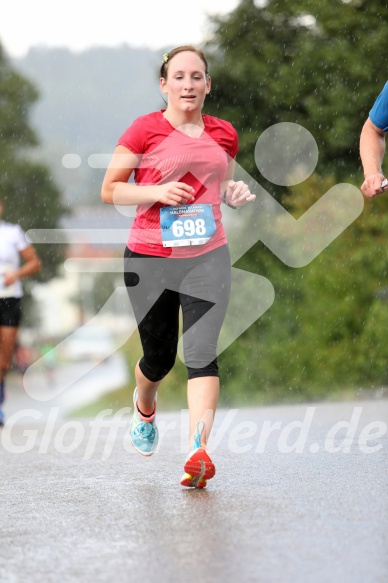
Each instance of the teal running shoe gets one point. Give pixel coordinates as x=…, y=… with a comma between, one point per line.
x=143, y=431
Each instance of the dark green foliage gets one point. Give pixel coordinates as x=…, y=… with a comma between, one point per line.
x=268, y=67
x=319, y=64
x=30, y=197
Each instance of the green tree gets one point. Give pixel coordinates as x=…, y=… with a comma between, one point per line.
x=325, y=330
x=321, y=65
x=30, y=196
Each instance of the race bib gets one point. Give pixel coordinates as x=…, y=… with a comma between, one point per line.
x=191, y=224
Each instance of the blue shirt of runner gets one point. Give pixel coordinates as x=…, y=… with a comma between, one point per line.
x=379, y=112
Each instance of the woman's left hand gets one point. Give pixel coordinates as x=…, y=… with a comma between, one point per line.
x=237, y=193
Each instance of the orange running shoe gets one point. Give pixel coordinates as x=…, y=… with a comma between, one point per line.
x=199, y=466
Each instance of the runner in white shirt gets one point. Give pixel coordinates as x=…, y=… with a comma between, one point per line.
x=14, y=247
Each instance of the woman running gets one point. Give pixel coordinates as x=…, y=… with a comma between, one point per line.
x=177, y=256
x=14, y=247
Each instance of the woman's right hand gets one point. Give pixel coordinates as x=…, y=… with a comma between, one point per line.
x=174, y=193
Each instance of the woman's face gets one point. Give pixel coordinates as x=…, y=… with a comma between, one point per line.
x=186, y=84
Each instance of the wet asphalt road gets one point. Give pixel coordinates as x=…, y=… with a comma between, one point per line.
x=303, y=502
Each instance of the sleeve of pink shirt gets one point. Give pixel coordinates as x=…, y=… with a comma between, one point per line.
x=134, y=137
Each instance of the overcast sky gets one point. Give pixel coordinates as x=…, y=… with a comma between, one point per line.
x=80, y=24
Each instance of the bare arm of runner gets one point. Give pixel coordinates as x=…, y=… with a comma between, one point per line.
x=372, y=150
x=116, y=189
x=31, y=265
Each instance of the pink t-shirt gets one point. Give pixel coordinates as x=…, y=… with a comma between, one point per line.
x=167, y=154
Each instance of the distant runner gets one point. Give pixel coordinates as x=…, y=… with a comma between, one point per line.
x=13, y=247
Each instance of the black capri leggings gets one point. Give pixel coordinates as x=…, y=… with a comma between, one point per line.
x=158, y=287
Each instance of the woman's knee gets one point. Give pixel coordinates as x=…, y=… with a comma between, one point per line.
x=155, y=367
